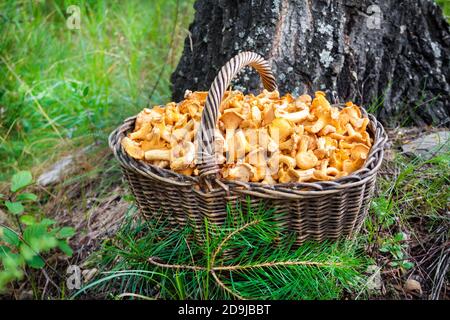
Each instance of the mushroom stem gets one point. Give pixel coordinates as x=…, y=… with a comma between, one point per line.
x=157, y=154
x=295, y=116
x=305, y=159
x=182, y=156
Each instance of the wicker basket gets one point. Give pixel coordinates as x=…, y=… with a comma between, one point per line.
x=311, y=211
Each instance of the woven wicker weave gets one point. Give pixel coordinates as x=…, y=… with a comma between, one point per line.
x=312, y=210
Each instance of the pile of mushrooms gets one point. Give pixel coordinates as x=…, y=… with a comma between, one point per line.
x=264, y=138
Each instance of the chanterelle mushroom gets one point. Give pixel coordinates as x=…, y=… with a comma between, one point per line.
x=153, y=140
x=350, y=165
x=132, y=148
x=280, y=128
x=157, y=154
x=294, y=116
x=265, y=138
x=360, y=151
x=182, y=156
x=240, y=172
x=302, y=175
x=257, y=158
x=231, y=120
x=142, y=133
x=323, y=172
x=305, y=159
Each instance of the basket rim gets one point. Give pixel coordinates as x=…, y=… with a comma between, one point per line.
x=284, y=190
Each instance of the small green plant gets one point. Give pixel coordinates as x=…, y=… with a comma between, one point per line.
x=396, y=246
x=383, y=211
x=22, y=243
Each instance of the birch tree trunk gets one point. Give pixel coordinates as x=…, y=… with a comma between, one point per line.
x=389, y=56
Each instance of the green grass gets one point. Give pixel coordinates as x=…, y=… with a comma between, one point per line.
x=409, y=218
x=409, y=190
x=417, y=188
x=62, y=88
x=445, y=5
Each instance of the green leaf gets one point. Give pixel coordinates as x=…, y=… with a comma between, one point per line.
x=9, y=236
x=14, y=207
x=4, y=251
x=85, y=91
x=33, y=232
x=65, y=232
x=27, y=197
x=36, y=262
x=27, y=220
x=380, y=206
x=407, y=265
x=47, y=222
x=20, y=180
x=400, y=236
x=62, y=244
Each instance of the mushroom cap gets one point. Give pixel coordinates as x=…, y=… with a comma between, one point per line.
x=327, y=130
x=324, y=119
x=350, y=165
x=143, y=131
x=320, y=175
x=359, y=151
x=230, y=100
x=171, y=114
x=153, y=140
x=284, y=176
x=231, y=119
x=241, y=144
x=148, y=115
x=249, y=123
x=337, y=158
x=332, y=171
x=352, y=110
x=240, y=172
x=256, y=115
x=280, y=128
x=256, y=157
x=287, y=161
x=305, y=98
x=182, y=156
x=294, y=116
x=262, y=138
x=320, y=101
x=306, y=160
x=152, y=145
x=268, y=114
x=132, y=148
x=199, y=96
x=258, y=174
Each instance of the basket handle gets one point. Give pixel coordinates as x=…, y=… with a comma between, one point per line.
x=205, y=135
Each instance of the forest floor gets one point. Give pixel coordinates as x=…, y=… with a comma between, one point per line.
x=55, y=113
x=406, y=235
